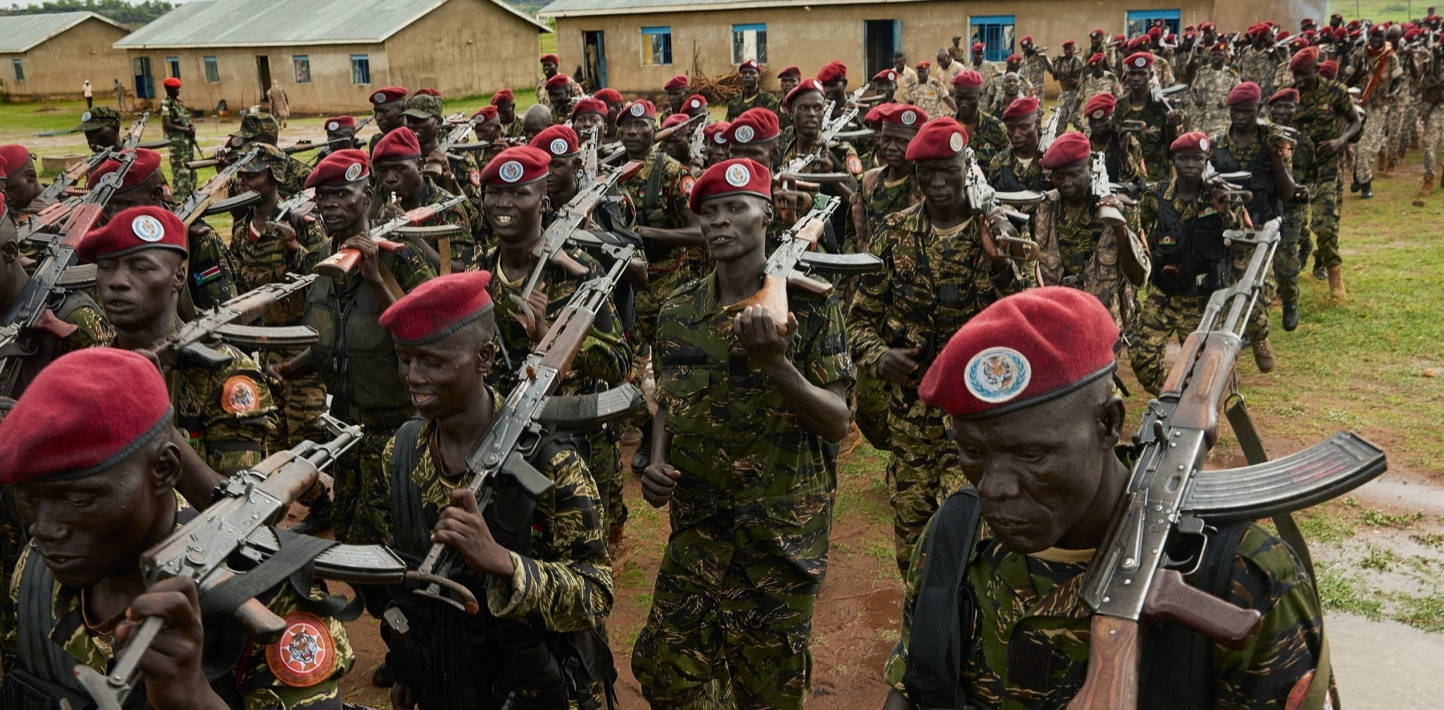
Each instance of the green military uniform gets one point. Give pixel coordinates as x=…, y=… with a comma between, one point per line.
x=659, y=192
x=1318, y=118
x=931, y=282
x=1069, y=70
x=182, y=178
x=561, y=588
x=604, y=360
x=1287, y=261
x=91, y=329
x=988, y=138
x=739, y=103
x=227, y=413
x=732, y=610
x=513, y=129
x=1076, y=251
x=263, y=258
x=1209, y=88
x=1381, y=105
x=1009, y=173
x=1105, y=83
x=1257, y=159
x=356, y=358
x=1122, y=156
x=465, y=215
x=212, y=277
x=845, y=158
x=1033, y=70
x=1029, y=641
x=1431, y=97
x=1155, y=136
x=290, y=173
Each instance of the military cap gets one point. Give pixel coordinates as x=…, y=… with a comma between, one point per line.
x=589, y=106
x=832, y=72
x=1118, y=38
x=1190, y=142
x=1101, y=106
x=427, y=92
x=675, y=119
x=789, y=71
x=1138, y=44
x=133, y=230
x=715, y=133
x=802, y=87
x=1288, y=93
x=438, y=308
x=99, y=117
x=520, y=165
x=1023, y=350
x=748, y=64
x=423, y=106
x=695, y=102
x=889, y=75
x=609, y=96
x=1066, y=150
x=339, y=122
x=941, y=137
x=557, y=140
x=1203, y=26
x=557, y=81
x=1013, y=58
x=487, y=113
x=254, y=125
x=1243, y=93
x=4, y=211
x=755, y=125
x=388, y=95
x=979, y=47
x=1139, y=60
x=549, y=57
x=1095, y=58
x=1220, y=46
x=924, y=64
x=1021, y=107
x=1329, y=68
x=502, y=95
x=1097, y=33
x=343, y=167
x=1303, y=58
x=639, y=109
x=267, y=157
x=171, y=82
x=1282, y=35
x=1069, y=43
x=873, y=118
x=1376, y=30
x=14, y=155
x=146, y=163
x=677, y=82
x=742, y=176
x=1026, y=41
x=397, y=144
x=968, y=79
x=904, y=115
x=84, y=413
x=1155, y=32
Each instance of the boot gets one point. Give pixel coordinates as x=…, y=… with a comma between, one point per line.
x=383, y=676
x=614, y=535
x=1263, y=355
x=1291, y=315
x=1320, y=273
x=1366, y=191
x=1354, y=185
x=1424, y=189
x=1336, y=283
x=318, y=520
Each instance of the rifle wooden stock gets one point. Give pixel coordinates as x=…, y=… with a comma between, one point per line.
x=772, y=297
x=344, y=261
x=1172, y=599
x=1112, y=666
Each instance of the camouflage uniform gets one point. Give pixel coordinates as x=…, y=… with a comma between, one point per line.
x=265, y=675
x=1296, y=221
x=464, y=215
x=91, y=329
x=562, y=581
x=929, y=96
x=1381, y=107
x=1123, y=157
x=1155, y=137
x=356, y=358
x=212, y=276
x=182, y=178
x=929, y=285
x=1106, y=84
x=227, y=413
x=1070, y=101
x=1318, y=117
x=844, y=158
x=1030, y=640
x=1257, y=65
x=1033, y=70
x=1076, y=251
x=732, y=609
x=667, y=266
x=1431, y=93
x=1209, y=89
x=513, y=129
x=1008, y=173
x=739, y=103
x=263, y=259
x=987, y=138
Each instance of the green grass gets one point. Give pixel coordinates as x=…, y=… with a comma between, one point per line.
x=1376, y=10
x=1348, y=593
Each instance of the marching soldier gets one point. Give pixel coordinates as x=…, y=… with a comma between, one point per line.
x=1323, y=104
x=549, y=64
x=1377, y=72
x=1032, y=67
x=1016, y=168
x=396, y=161
x=101, y=127
x=806, y=104
x=1283, y=106
x=752, y=94
x=986, y=133
x=387, y=105
x=1431, y=96
x=1098, y=80
x=1211, y=84
x=1068, y=70
x=1153, y=121
x=176, y=121
x=1121, y=153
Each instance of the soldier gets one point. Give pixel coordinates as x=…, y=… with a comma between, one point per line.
x=677, y=89
x=679, y=144
x=907, y=77
x=1023, y=646
x=399, y=175
x=1211, y=84
x=731, y=615
x=1255, y=61
x=534, y=121
x=947, y=67
x=1008, y=88
x=614, y=102
x=1068, y=70
x=95, y=469
x=787, y=80
x=101, y=127
x=505, y=104
x=340, y=134
x=559, y=98
x=937, y=273
x=1431, y=96
x=1033, y=66
x=1323, y=103
x=22, y=186
x=589, y=117
x=354, y=355
x=1098, y=80
x=755, y=136
x=986, y=133
x=714, y=138
x=1377, y=72
x=931, y=95
x=1121, y=154
x=1016, y=168
x=1283, y=106
x=387, y=105
x=176, y=121
x=752, y=94
x=1154, y=122
x=261, y=127
x=226, y=412
x=807, y=106
x=549, y=64
x=884, y=85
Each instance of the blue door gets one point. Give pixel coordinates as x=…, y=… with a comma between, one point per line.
x=594, y=54
x=144, y=84
x=995, y=32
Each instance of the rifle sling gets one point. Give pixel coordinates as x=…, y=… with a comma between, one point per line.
x=938, y=648
x=293, y=561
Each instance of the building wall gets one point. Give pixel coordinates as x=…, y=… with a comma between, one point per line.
x=59, y=66
x=464, y=48
x=329, y=90
x=810, y=36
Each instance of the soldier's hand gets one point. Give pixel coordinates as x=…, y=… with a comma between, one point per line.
x=532, y=312
x=288, y=236
x=171, y=666
x=1174, y=117
x=462, y=528
x=1332, y=146
x=658, y=482
x=389, y=211
x=370, y=264
x=897, y=365
x=402, y=698
x=758, y=333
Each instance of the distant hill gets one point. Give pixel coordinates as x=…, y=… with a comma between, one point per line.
x=126, y=13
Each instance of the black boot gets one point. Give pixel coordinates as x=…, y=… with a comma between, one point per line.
x=1291, y=315
x=1354, y=186
x=1320, y=273
x=1366, y=191
x=319, y=519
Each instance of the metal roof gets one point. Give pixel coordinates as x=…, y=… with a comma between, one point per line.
x=584, y=8
x=283, y=23
x=22, y=33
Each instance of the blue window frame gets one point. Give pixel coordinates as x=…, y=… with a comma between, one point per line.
x=360, y=69
x=995, y=32
x=656, y=45
x=173, y=63
x=19, y=69
x=301, y=68
x=1140, y=20
x=213, y=70
x=749, y=42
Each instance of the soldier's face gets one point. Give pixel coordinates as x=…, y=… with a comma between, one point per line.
x=1023, y=132
x=388, y=116
x=259, y=182
x=716, y=153
x=147, y=194
x=1189, y=166
x=138, y=288
x=549, y=68
x=558, y=96
x=1040, y=471
x=1101, y=126
x=1073, y=180
x=749, y=78
x=892, y=146
x=1011, y=85
x=1136, y=80
x=675, y=97
x=488, y=131
x=788, y=83
x=967, y=100
x=636, y=134
x=1282, y=112
x=807, y=113
x=1243, y=115
x=941, y=181
x=764, y=153
x=514, y=211
x=562, y=174
x=341, y=206
x=734, y=226
x=590, y=121
x=101, y=138
x=21, y=186
x=884, y=88
x=836, y=91
x=402, y=177
x=444, y=377
x=1307, y=77
x=922, y=75
x=506, y=109
x=678, y=145
x=425, y=128
x=1217, y=57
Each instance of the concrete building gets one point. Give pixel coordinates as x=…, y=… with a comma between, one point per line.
x=636, y=45
x=330, y=55
x=52, y=55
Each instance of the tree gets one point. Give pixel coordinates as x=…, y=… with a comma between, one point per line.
x=126, y=13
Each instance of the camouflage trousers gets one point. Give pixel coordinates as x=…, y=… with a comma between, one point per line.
x=870, y=412
x=922, y=471
x=362, y=485
x=1371, y=143
x=604, y=460
x=1324, y=218
x=1162, y=317
x=1070, y=105
x=300, y=400
x=731, y=616
x=1432, y=139
x=182, y=178
x=1405, y=128
x=1287, y=263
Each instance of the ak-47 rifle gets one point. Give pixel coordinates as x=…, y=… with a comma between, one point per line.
x=1050, y=131
x=344, y=261
x=209, y=193
x=134, y=133
x=72, y=175
x=998, y=221
x=458, y=133
x=786, y=263
x=226, y=153
x=660, y=136
x=575, y=213
x=516, y=433
x=231, y=322
x=1170, y=503
x=248, y=503
x=591, y=162
x=300, y=204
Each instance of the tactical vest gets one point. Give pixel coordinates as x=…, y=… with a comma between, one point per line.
x=1189, y=256
x=1265, y=204
x=355, y=354
x=455, y=660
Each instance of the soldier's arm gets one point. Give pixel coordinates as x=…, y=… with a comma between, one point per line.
x=871, y=305
x=819, y=397
x=239, y=417
x=213, y=276
x=92, y=329
x=304, y=686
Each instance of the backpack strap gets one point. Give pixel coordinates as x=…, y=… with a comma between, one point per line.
x=38, y=654
x=937, y=650
x=408, y=527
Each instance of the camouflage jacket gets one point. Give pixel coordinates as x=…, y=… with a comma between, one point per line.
x=1034, y=68
x=746, y=459
x=881, y=198
x=931, y=96
x=1008, y=173
x=988, y=138
x=1154, y=138
x=212, y=275
x=1319, y=117
x=1106, y=84
x=1068, y=69
x=740, y=103
x=667, y=209
x=1364, y=66
x=175, y=113
x=845, y=159
x=1123, y=157
x=263, y=259
x=463, y=245
x=1031, y=629
x=227, y=413
x=1257, y=65
x=1209, y=89
x=1076, y=251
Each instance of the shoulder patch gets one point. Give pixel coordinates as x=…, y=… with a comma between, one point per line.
x=854, y=165
x=686, y=184
x=305, y=654
x=239, y=395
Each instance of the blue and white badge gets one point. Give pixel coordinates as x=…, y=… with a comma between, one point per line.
x=510, y=171
x=720, y=138
x=333, y=125
x=909, y=117
x=558, y=146
x=147, y=228
x=637, y=110
x=85, y=117
x=743, y=134
x=738, y=175
x=353, y=173
x=997, y=375
x=695, y=104
x=956, y=142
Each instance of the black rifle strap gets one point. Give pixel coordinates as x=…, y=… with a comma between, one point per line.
x=295, y=553
x=653, y=195
x=38, y=654
x=408, y=527
x=937, y=647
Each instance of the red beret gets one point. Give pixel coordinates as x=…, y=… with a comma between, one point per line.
x=85, y=412
x=677, y=82
x=694, y=102
x=1329, y=68
x=755, y=125
x=873, y=117
x=486, y=112
x=748, y=64
x=675, y=119
x=3, y=211
x=390, y=94
x=738, y=175
x=1118, y=38
x=609, y=96
x=549, y=57
x=171, y=82
x=1206, y=26
x=589, y=106
x=641, y=108
x=397, y=144
x=939, y=138
x=1244, y=92
x=503, y=95
x=885, y=75
x=1376, y=30
x=715, y=133
x=339, y=122
x=1287, y=93
x=1069, y=43
x=1023, y=350
x=1021, y=107
x=557, y=81
x=924, y=64
x=1066, y=149
x=802, y=87
x=340, y=168
x=438, y=308
x=1190, y=142
x=1284, y=34
x=1027, y=41
x=1013, y=58
x=1303, y=58
x=1095, y=58
x=905, y=115
x=1155, y=31
x=558, y=141
x=426, y=92
x=1139, y=60
x=146, y=163
x=789, y=71
x=968, y=79
x=1097, y=33
x=132, y=230
x=1103, y=102
x=979, y=47
x=832, y=71
x=14, y=155
x=516, y=166
x=1138, y=44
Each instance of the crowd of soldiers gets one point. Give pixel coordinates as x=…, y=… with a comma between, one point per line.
x=1006, y=258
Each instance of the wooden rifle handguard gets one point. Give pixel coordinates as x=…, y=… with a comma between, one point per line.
x=344, y=261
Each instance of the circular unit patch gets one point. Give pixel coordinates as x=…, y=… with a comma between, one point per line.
x=305, y=654
x=147, y=228
x=332, y=126
x=510, y=171
x=239, y=395
x=637, y=110
x=998, y=374
x=744, y=134
x=558, y=146
x=956, y=142
x=353, y=172
x=738, y=175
